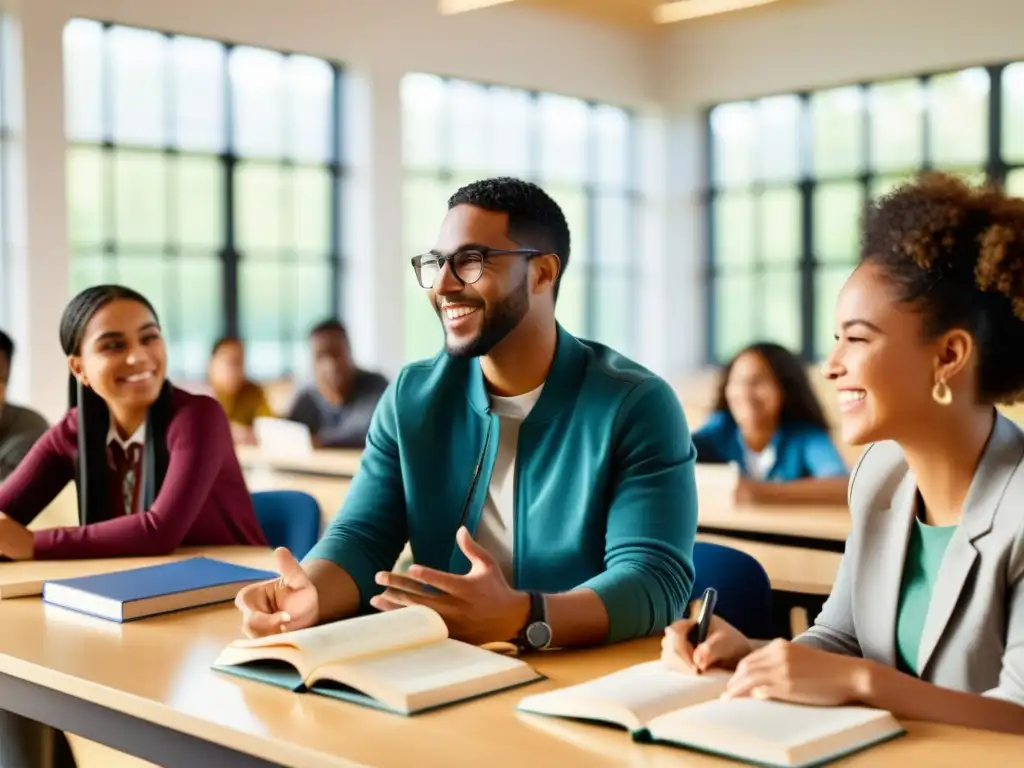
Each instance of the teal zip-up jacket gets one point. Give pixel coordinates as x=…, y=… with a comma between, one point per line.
x=605, y=495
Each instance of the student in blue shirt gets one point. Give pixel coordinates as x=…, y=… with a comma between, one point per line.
x=768, y=421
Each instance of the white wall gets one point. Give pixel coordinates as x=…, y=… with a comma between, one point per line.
x=814, y=43
x=797, y=44
x=377, y=40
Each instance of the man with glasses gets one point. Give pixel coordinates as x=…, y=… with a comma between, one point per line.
x=545, y=483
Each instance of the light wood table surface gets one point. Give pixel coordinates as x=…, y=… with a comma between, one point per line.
x=70, y=669
x=795, y=522
x=791, y=569
x=331, y=462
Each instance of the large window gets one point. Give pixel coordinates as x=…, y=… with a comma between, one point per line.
x=581, y=153
x=6, y=136
x=207, y=176
x=789, y=176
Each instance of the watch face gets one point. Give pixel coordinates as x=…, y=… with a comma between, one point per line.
x=538, y=635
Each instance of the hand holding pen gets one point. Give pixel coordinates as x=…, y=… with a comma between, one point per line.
x=710, y=641
x=699, y=632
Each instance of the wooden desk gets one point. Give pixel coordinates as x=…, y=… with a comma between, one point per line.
x=791, y=569
x=146, y=688
x=812, y=526
x=327, y=462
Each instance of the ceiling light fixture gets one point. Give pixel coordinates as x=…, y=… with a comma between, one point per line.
x=684, y=10
x=450, y=7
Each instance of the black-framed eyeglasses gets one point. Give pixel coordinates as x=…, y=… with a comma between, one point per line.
x=467, y=265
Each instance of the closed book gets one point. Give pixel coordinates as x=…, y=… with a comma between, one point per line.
x=140, y=592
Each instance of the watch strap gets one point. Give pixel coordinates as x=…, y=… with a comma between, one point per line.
x=538, y=612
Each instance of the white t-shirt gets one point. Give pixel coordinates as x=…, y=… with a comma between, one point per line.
x=759, y=463
x=495, y=532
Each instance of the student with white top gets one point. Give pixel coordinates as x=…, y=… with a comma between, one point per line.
x=545, y=483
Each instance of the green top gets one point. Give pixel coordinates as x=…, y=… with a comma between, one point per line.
x=920, y=571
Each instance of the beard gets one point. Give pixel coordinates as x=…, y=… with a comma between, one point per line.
x=498, y=322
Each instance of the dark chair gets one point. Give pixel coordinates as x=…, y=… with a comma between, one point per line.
x=744, y=589
x=289, y=519
x=707, y=453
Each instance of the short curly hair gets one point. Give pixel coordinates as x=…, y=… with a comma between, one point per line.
x=957, y=253
x=534, y=219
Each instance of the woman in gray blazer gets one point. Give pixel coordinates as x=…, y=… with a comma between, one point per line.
x=926, y=617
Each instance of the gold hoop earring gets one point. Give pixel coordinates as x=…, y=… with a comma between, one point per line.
x=941, y=393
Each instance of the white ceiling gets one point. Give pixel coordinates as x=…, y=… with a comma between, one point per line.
x=630, y=13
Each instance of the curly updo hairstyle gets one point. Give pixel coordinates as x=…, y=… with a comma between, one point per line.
x=957, y=253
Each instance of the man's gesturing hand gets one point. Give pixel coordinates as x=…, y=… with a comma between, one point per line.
x=288, y=602
x=478, y=608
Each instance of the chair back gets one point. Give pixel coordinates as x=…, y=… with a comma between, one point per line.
x=744, y=589
x=289, y=519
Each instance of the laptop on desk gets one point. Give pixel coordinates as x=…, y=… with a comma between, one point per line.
x=282, y=438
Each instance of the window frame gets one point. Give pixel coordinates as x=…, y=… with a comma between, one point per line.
x=587, y=263
x=231, y=255
x=7, y=137
x=809, y=264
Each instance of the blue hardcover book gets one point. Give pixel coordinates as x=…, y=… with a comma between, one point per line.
x=140, y=592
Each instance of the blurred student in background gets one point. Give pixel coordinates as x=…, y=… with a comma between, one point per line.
x=926, y=617
x=19, y=427
x=338, y=407
x=242, y=400
x=767, y=420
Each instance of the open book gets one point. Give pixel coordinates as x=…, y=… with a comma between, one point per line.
x=402, y=661
x=657, y=704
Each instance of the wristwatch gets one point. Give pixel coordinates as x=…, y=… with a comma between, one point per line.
x=536, y=635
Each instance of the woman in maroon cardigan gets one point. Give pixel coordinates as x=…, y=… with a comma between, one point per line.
x=155, y=467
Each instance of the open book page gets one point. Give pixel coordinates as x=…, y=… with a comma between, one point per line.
x=350, y=638
x=431, y=674
x=630, y=697
x=774, y=732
